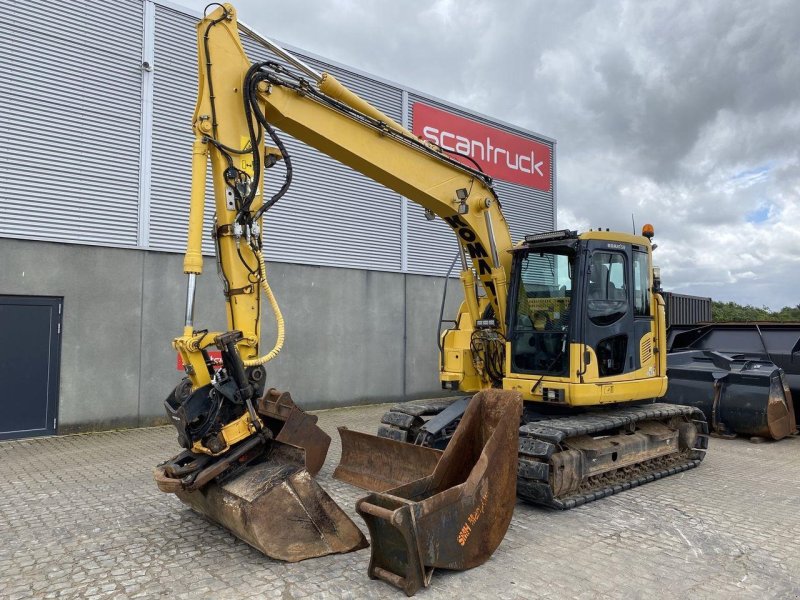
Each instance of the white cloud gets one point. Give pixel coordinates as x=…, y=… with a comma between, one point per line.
x=685, y=114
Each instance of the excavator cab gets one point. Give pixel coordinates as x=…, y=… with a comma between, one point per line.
x=540, y=320
x=583, y=317
x=583, y=342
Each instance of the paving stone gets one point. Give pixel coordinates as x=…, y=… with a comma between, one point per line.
x=80, y=517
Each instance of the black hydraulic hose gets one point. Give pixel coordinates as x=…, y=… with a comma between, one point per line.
x=462, y=155
x=251, y=107
x=287, y=181
x=208, y=65
x=287, y=159
x=247, y=97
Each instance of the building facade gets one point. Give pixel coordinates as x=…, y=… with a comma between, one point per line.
x=93, y=209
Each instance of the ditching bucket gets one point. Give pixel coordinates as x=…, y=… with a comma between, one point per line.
x=378, y=464
x=456, y=517
x=276, y=506
x=736, y=394
x=263, y=490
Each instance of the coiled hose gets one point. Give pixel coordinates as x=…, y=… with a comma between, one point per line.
x=254, y=362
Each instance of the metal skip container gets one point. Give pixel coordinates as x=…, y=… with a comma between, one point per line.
x=457, y=516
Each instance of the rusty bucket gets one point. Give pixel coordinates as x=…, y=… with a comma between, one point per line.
x=456, y=517
x=276, y=506
x=263, y=490
x=378, y=464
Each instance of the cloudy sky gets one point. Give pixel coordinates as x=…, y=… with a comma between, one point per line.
x=685, y=114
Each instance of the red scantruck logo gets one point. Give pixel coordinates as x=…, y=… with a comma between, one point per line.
x=214, y=355
x=500, y=154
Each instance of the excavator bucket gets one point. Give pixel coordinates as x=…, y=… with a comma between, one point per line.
x=456, y=517
x=738, y=395
x=263, y=490
x=734, y=373
x=378, y=464
x=292, y=425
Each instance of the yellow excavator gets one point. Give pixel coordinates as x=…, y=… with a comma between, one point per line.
x=571, y=323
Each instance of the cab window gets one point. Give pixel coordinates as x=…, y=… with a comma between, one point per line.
x=607, y=296
x=641, y=285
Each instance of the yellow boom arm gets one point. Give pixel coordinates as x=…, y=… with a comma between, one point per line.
x=321, y=112
x=220, y=124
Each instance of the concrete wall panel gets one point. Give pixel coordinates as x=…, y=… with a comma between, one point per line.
x=163, y=301
x=344, y=335
x=352, y=336
x=423, y=300
x=100, y=351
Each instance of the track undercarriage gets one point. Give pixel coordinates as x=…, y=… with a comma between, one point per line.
x=567, y=461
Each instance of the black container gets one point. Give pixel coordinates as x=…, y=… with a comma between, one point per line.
x=686, y=310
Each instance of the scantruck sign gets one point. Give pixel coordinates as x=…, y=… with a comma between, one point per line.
x=500, y=154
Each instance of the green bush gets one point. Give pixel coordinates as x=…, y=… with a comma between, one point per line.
x=723, y=312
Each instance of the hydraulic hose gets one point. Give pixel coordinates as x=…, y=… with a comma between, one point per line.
x=254, y=362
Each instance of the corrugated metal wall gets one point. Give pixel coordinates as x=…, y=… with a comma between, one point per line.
x=340, y=218
x=321, y=220
x=174, y=95
x=331, y=215
x=71, y=121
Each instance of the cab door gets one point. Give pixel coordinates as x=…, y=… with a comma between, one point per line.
x=644, y=323
x=608, y=326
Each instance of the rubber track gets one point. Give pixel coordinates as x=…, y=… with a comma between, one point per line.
x=554, y=431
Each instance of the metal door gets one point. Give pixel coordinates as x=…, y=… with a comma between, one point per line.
x=30, y=349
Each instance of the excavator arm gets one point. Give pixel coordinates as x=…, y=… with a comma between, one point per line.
x=250, y=452
x=354, y=133
x=318, y=110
